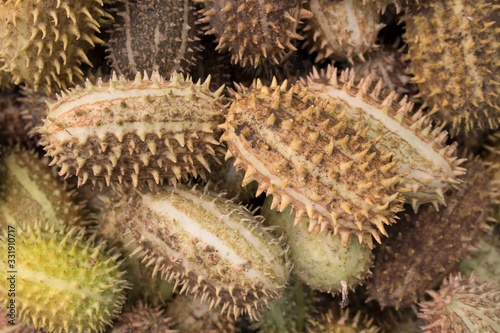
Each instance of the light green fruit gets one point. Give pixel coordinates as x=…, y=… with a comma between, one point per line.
x=64, y=282
x=289, y=313
x=320, y=261
x=30, y=191
x=209, y=246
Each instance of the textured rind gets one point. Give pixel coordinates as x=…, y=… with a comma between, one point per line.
x=431, y=166
x=320, y=261
x=425, y=248
x=44, y=43
x=288, y=314
x=484, y=261
x=342, y=323
x=341, y=30
x=143, y=318
x=253, y=31
x=66, y=283
x=153, y=36
x=454, y=50
x=462, y=305
x=30, y=191
x=6, y=327
x=145, y=129
x=317, y=164
x=192, y=316
x=209, y=246
x=144, y=287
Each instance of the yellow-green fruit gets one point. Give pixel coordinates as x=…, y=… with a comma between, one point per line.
x=209, y=246
x=64, y=282
x=30, y=191
x=43, y=43
x=9, y=326
x=455, y=56
x=320, y=261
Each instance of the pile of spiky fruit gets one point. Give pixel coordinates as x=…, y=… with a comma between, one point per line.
x=333, y=128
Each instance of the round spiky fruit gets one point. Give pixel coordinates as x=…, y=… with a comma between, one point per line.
x=455, y=60
x=431, y=167
x=341, y=30
x=252, y=30
x=289, y=144
x=30, y=191
x=484, y=261
x=192, y=316
x=425, y=248
x=342, y=323
x=288, y=314
x=158, y=36
x=320, y=261
x=209, y=245
x=145, y=129
x=43, y=43
x=65, y=283
x=462, y=305
x=144, y=286
x=143, y=318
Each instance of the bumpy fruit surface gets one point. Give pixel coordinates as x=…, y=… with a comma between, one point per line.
x=192, y=316
x=65, y=283
x=425, y=248
x=252, y=30
x=158, y=36
x=341, y=30
x=455, y=58
x=43, y=43
x=462, y=305
x=210, y=246
x=342, y=323
x=320, y=261
x=143, y=318
x=145, y=129
x=431, y=166
x=30, y=191
x=287, y=141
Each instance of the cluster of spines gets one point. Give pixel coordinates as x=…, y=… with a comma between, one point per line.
x=342, y=322
x=462, y=305
x=165, y=43
x=234, y=300
x=400, y=110
x=141, y=155
x=455, y=61
x=143, y=317
x=239, y=27
x=46, y=299
x=331, y=29
x=337, y=132
x=52, y=52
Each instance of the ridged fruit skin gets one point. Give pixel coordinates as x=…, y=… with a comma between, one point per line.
x=153, y=36
x=30, y=191
x=342, y=323
x=209, y=246
x=192, y=316
x=289, y=313
x=431, y=166
x=317, y=164
x=455, y=58
x=341, y=30
x=462, y=305
x=12, y=125
x=145, y=129
x=254, y=31
x=320, y=261
x=66, y=283
x=44, y=43
x=143, y=318
x=425, y=248
x=143, y=286
x=484, y=261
